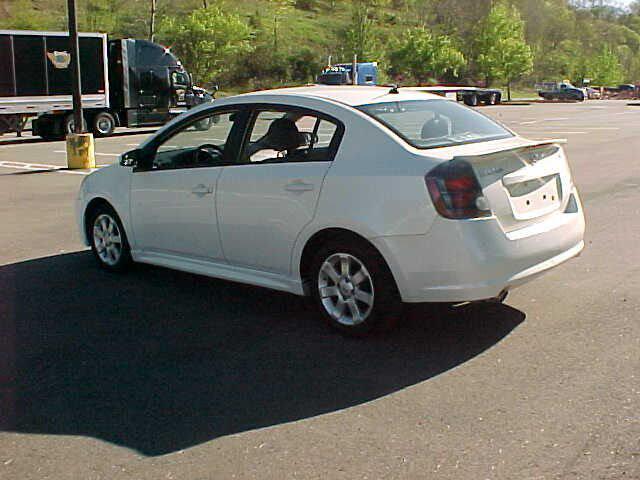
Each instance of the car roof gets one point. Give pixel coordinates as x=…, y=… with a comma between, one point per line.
x=353, y=95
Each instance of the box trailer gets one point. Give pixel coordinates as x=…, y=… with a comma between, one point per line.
x=125, y=82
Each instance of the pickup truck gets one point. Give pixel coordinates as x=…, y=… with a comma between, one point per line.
x=561, y=91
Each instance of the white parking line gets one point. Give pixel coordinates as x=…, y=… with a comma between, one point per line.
x=567, y=133
x=39, y=167
x=529, y=123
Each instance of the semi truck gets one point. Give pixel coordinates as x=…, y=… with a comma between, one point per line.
x=125, y=82
x=366, y=73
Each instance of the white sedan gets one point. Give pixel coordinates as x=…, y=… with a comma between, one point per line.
x=361, y=197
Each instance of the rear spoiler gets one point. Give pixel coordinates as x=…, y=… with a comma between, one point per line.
x=525, y=146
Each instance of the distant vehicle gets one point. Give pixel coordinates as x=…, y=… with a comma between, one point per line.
x=125, y=82
x=593, y=93
x=627, y=87
x=367, y=74
x=561, y=91
x=342, y=74
x=472, y=96
x=362, y=198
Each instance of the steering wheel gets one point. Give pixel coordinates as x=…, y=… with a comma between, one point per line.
x=214, y=152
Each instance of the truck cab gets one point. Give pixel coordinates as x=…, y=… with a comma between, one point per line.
x=149, y=83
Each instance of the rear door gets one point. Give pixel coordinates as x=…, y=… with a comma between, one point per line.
x=266, y=200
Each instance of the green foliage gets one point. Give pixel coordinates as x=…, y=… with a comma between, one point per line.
x=361, y=36
x=207, y=40
x=424, y=56
x=605, y=68
x=304, y=65
x=23, y=15
x=503, y=51
x=245, y=44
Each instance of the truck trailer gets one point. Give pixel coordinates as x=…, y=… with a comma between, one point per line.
x=125, y=82
x=367, y=74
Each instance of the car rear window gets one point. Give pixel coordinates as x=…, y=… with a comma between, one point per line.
x=435, y=123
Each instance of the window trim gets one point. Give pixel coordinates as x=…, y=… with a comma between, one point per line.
x=255, y=109
x=151, y=150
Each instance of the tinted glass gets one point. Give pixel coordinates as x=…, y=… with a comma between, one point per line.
x=435, y=123
x=279, y=136
x=200, y=144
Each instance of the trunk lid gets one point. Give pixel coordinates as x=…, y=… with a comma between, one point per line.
x=524, y=182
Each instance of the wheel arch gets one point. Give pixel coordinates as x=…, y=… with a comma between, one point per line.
x=91, y=207
x=315, y=241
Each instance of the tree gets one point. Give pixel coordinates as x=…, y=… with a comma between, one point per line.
x=152, y=21
x=503, y=52
x=360, y=35
x=605, y=68
x=425, y=56
x=279, y=9
x=207, y=40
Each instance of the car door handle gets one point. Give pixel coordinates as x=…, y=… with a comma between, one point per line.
x=299, y=186
x=202, y=189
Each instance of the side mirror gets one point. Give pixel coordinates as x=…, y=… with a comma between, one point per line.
x=130, y=158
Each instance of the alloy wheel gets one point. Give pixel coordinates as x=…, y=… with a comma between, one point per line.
x=107, y=239
x=346, y=289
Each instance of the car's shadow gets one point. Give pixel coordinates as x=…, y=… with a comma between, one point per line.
x=157, y=360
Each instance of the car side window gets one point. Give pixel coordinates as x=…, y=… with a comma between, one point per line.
x=289, y=136
x=202, y=143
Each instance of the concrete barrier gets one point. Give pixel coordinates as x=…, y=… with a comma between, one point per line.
x=80, y=151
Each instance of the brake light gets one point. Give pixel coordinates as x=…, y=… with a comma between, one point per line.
x=455, y=191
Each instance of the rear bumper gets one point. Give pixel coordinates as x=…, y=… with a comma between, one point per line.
x=459, y=261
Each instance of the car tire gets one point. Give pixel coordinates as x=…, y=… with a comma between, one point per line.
x=353, y=288
x=108, y=239
x=493, y=99
x=104, y=124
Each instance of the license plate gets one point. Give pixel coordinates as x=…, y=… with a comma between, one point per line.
x=536, y=197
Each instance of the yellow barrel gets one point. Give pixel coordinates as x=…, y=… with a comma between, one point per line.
x=80, y=151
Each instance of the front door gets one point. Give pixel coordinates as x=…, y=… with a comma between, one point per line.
x=173, y=195
x=266, y=200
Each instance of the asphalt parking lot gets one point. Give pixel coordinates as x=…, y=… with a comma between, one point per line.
x=158, y=374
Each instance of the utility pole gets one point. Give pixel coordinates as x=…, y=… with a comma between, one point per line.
x=80, y=146
x=76, y=84
x=152, y=22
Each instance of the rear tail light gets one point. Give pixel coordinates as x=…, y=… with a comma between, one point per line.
x=455, y=191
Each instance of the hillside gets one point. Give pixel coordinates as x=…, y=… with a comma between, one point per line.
x=246, y=44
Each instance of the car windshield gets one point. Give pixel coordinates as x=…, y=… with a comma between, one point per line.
x=435, y=123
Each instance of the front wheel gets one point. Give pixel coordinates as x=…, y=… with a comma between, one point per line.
x=108, y=239
x=354, y=289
